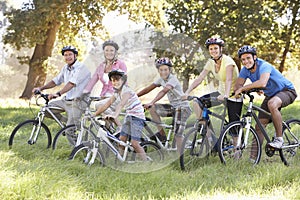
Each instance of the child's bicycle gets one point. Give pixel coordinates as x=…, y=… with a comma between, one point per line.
x=105, y=142
x=35, y=131
x=239, y=141
x=169, y=144
x=201, y=140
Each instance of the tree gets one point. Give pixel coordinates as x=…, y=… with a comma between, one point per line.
x=238, y=22
x=39, y=25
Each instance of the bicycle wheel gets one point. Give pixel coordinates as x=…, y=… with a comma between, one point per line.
x=152, y=150
x=84, y=153
x=289, y=155
x=67, y=137
x=25, y=133
x=249, y=150
x=195, y=147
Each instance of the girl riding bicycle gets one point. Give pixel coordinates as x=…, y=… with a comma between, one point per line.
x=135, y=116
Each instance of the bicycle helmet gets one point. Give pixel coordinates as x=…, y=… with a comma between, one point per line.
x=246, y=49
x=117, y=72
x=69, y=48
x=110, y=43
x=163, y=61
x=217, y=41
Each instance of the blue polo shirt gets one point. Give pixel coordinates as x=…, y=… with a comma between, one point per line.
x=276, y=83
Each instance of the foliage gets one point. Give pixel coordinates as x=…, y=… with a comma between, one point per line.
x=238, y=23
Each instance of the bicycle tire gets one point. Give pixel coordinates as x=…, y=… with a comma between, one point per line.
x=152, y=150
x=83, y=153
x=227, y=149
x=22, y=132
x=67, y=137
x=289, y=155
x=195, y=147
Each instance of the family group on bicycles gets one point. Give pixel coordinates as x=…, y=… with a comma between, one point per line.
x=116, y=95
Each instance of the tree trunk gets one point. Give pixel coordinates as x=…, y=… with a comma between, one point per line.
x=38, y=63
x=289, y=35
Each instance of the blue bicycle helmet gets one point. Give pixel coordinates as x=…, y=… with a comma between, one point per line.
x=163, y=61
x=217, y=41
x=246, y=49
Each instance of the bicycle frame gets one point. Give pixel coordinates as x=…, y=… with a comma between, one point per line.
x=40, y=118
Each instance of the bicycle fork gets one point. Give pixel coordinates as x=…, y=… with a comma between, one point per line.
x=35, y=131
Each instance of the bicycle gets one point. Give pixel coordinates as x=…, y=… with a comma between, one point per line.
x=201, y=140
x=32, y=130
x=170, y=144
x=239, y=141
x=72, y=135
x=91, y=151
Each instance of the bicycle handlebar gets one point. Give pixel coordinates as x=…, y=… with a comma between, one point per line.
x=214, y=99
x=44, y=96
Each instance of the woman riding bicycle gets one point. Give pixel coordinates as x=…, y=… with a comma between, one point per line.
x=225, y=71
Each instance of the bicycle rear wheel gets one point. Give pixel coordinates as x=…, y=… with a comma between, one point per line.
x=250, y=149
x=24, y=133
x=195, y=147
x=289, y=155
x=152, y=150
x=84, y=153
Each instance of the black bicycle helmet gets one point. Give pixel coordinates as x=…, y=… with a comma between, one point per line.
x=116, y=72
x=69, y=48
x=217, y=41
x=110, y=43
x=163, y=61
x=246, y=49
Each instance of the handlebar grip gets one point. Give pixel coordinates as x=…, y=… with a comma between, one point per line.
x=37, y=92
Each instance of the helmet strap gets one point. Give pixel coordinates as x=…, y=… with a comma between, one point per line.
x=217, y=58
x=253, y=64
x=70, y=65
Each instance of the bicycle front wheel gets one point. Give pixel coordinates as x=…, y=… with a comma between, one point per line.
x=195, y=147
x=231, y=150
x=87, y=154
x=67, y=137
x=289, y=154
x=29, y=133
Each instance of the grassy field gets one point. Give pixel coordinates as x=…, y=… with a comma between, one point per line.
x=45, y=174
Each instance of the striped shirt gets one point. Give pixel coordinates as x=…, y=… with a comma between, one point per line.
x=133, y=106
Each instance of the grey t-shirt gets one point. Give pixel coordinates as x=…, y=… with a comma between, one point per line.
x=175, y=94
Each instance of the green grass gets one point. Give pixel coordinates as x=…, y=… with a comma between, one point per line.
x=44, y=174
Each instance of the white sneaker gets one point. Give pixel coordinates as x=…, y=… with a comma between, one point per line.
x=277, y=143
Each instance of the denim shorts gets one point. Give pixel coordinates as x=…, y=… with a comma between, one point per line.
x=133, y=127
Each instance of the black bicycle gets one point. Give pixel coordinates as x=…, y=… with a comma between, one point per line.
x=239, y=141
x=201, y=140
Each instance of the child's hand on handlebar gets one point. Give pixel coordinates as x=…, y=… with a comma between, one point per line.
x=148, y=105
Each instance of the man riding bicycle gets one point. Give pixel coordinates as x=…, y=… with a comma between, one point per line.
x=279, y=92
x=75, y=75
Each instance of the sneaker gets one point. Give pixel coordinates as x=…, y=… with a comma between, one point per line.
x=277, y=143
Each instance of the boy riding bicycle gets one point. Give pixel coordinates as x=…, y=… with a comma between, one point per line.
x=171, y=87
